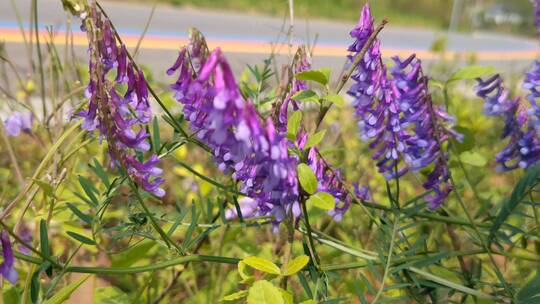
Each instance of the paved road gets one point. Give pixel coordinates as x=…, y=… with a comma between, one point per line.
x=247, y=37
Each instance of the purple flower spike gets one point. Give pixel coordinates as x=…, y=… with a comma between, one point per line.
x=18, y=122
x=523, y=148
x=120, y=117
x=251, y=151
x=396, y=115
x=7, y=268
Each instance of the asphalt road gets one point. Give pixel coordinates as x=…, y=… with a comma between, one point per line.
x=246, y=38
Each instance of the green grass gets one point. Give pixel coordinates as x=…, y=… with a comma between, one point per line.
x=432, y=13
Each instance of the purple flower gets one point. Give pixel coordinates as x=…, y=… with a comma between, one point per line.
x=248, y=207
x=251, y=151
x=7, y=268
x=18, y=122
x=396, y=114
x=521, y=125
x=362, y=193
x=121, y=116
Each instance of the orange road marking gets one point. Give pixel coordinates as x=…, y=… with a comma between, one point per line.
x=254, y=47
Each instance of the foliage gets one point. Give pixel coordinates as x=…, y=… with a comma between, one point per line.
x=81, y=227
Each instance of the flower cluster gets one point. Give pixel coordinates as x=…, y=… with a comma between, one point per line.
x=7, y=268
x=523, y=148
x=118, y=106
x=18, y=122
x=252, y=151
x=396, y=115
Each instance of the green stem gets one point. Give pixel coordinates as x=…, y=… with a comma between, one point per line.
x=137, y=269
x=40, y=59
x=482, y=240
x=160, y=231
x=388, y=260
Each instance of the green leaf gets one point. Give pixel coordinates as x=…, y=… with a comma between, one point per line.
x=110, y=295
x=47, y=188
x=320, y=76
x=132, y=255
x=89, y=189
x=310, y=301
x=530, y=293
x=471, y=72
x=246, y=277
x=473, y=159
x=155, y=136
x=307, y=178
x=235, y=296
x=44, y=239
x=287, y=296
x=263, y=292
x=63, y=294
x=306, y=96
x=35, y=283
x=261, y=264
x=81, y=238
x=296, y=265
x=315, y=139
x=322, y=200
x=293, y=125
x=100, y=172
x=335, y=99
x=522, y=188
x=82, y=216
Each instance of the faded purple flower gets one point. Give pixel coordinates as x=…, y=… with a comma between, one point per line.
x=248, y=207
x=18, y=122
x=7, y=268
x=120, y=115
x=521, y=125
x=362, y=193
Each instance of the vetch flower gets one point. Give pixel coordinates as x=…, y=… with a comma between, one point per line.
x=118, y=104
x=18, y=122
x=520, y=124
x=396, y=114
x=251, y=151
x=7, y=268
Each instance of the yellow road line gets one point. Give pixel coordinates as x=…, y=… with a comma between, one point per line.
x=254, y=47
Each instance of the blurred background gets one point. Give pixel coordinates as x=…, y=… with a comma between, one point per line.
x=494, y=32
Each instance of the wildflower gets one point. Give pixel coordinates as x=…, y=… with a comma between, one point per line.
x=248, y=207
x=523, y=148
x=251, y=151
x=121, y=117
x=396, y=114
x=18, y=122
x=7, y=268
